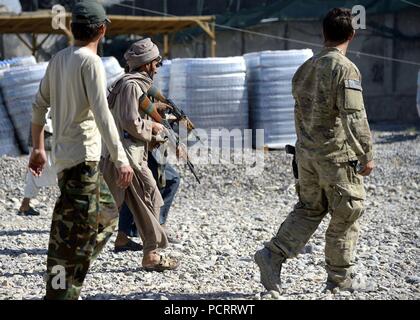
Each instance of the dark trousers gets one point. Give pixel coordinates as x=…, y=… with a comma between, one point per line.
x=126, y=223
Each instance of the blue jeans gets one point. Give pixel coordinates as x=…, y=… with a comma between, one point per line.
x=126, y=223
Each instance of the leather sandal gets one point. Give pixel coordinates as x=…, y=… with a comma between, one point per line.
x=165, y=263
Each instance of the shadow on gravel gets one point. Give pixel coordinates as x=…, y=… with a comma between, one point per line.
x=397, y=138
x=17, y=252
x=173, y=296
x=25, y=274
x=13, y=233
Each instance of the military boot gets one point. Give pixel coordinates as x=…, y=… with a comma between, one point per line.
x=270, y=268
x=351, y=284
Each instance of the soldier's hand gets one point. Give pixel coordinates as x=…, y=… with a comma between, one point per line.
x=367, y=169
x=157, y=128
x=125, y=176
x=37, y=161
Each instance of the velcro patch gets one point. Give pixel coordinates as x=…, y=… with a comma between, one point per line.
x=353, y=84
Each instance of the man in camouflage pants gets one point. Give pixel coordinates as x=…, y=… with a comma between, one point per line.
x=333, y=136
x=74, y=89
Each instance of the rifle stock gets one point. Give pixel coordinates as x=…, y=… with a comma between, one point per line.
x=149, y=108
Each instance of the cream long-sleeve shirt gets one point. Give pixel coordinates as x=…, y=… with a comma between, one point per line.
x=74, y=87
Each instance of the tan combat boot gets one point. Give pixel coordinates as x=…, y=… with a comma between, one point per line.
x=270, y=268
x=351, y=284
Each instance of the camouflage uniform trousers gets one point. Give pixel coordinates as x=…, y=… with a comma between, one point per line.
x=324, y=187
x=84, y=218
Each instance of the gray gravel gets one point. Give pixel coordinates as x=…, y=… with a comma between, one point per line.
x=221, y=223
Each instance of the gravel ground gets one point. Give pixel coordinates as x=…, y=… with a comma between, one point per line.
x=222, y=222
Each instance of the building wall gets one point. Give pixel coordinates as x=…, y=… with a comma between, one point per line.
x=389, y=87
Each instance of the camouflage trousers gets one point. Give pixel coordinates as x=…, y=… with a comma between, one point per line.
x=324, y=187
x=84, y=218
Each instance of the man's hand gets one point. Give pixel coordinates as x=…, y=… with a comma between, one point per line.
x=181, y=152
x=367, y=169
x=125, y=175
x=157, y=128
x=37, y=161
x=162, y=107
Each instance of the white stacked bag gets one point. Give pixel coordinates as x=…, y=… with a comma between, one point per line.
x=161, y=80
x=113, y=69
x=19, y=86
x=8, y=143
x=269, y=78
x=17, y=62
x=418, y=94
x=212, y=92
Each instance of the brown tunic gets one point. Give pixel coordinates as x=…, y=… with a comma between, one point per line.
x=135, y=129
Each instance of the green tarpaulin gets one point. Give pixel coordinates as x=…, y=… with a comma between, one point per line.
x=307, y=10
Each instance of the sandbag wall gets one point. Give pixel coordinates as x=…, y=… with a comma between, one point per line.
x=271, y=104
x=17, y=62
x=8, y=143
x=19, y=86
x=418, y=94
x=212, y=92
x=161, y=80
x=8, y=138
x=113, y=69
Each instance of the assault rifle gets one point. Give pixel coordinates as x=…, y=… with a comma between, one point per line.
x=149, y=108
x=176, y=111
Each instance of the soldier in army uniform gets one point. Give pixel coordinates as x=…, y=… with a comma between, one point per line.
x=333, y=153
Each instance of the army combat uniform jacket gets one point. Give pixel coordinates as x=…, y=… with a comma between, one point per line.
x=330, y=116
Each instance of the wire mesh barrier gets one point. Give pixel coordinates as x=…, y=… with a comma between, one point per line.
x=161, y=80
x=17, y=62
x=418, y=94
x=271, y=104
x=19, y=81
x=8, y=142
x=213, y=93
x=113, y=69
x=19, y=87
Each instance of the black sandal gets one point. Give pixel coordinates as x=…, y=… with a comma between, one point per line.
x=129, y=246
x=29, y=213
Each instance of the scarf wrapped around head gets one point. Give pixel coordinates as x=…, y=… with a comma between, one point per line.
x=140, y=53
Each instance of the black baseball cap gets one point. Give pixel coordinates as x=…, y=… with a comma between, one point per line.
x=89, y=12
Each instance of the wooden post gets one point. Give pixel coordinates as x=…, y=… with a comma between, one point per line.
x=213, y=40
x=34, y=44
x=166, y=48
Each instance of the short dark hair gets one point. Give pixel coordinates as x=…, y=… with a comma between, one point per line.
x=338, y=25
x=86, y=32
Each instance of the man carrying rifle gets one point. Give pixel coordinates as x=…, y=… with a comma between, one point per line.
x=138, y=132
x=333, y=153
x=168, y=181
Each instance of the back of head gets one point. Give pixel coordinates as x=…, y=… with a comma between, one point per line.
x=88, y=17
x=338, y=25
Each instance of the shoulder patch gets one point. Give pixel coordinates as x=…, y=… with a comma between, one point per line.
x=353, y=84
